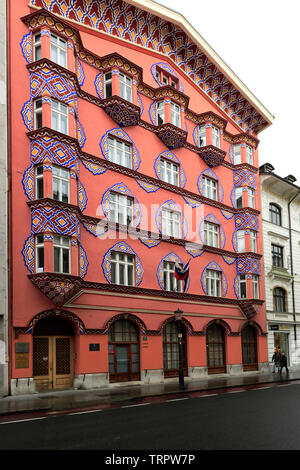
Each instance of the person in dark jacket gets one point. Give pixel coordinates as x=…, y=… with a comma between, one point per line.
x=283, y=362
x=275, y=360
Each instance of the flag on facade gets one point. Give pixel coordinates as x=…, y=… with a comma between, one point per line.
x=182, y=274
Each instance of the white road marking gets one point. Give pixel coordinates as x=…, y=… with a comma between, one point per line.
x=237, y=391
x=23, y=420
x=84, y=412
x=210, y=395
x=178, y=399
x=260, y=388
x=131, y=406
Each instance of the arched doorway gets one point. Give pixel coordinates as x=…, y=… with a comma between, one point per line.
x=249, y=348
x=123, y=351
x=215, y=347
x=171, y=349
x=53, y=357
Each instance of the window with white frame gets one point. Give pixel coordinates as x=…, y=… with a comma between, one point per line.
x=253, y=241
x=216, y=136
x=211, y=234
x=240, y=241
x=210, y=188
x=251, y=198
x=37, y=111
x=170, y=282
x=121, y=208
x=255, y=286
x=165, y=80
x=120, y=152
x=160, y=111
x=39, y=253
x=61, y=254
x=171, y=221
x=237, y=156
x=213, y=282
x=249, y=155
x=202, y=136
x=59, y=116
x=169, y=172
x=239, y=198
x=243, y=286
x=58, y=50
x=125, y=87
x=37, y=49
x=61, y=183
x=39, y=182
x=107, y=85
x=122, y=268
x=175, y=114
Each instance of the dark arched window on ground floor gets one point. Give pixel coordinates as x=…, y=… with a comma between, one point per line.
x=215, y=346
x=249, y=348
x=123, y=352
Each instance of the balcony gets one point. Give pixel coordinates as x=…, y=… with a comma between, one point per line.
x=212, y=155
x=173, y=137
x=121, y=111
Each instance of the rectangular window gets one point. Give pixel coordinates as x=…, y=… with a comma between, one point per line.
x=58, y=50
x=213, y=283
x=122, y=268
x=173, y=83
x=39, y=182
x=202, y=136
x=175, y=115
x=251, y=198
x=216, y=136
x=255, y=286
x=125, y=87
x=237, y=158
x=120, y=152
x=61, y=184
x=240, y=239
x=160, y=110
x=253, y=241
x=38, y=121
x=39, y=253
x=61, y=254
x=169, y=172
x=277, y=256
x=171, y=223
x=107, y=85
x=210, y=188
x=59, y=116
x=121, y=208
x=211, y=234
x=170, y=282
x=165, y=80
x=239, y=198
x=37, y=50
x=249, y=155
x=243, y=286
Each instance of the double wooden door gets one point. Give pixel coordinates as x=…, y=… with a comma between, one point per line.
x=53, y=362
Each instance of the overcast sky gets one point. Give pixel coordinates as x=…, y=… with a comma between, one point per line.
x=260, y=42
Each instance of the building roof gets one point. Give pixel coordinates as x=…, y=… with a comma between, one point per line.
x=284, y=187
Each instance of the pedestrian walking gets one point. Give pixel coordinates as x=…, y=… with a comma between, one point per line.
x=283, y=363
x=275, y=360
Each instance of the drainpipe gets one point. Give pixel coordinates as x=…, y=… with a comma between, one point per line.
x=292, y=266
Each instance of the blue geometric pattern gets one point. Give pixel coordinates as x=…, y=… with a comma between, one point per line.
x=192, y=202
x=93, y=167
x=120, y=134
x=82, y=197
x=121, y=188
x=210, y=174
x=248, y=265
x=169, y=70
x=212, y=219
x=214, y=266
x=47, y=219
x=168, y=155
x=123, y=248
x=29, y=183
x=83, y=261
x=244, y=177
x=80, y=73
x=99, y=86
x=26, y=47
x=28, y=253
x=149, y=188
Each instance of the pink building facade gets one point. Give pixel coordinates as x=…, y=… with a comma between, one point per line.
x=130, y=150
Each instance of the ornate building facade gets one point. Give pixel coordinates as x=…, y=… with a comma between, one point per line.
x=133, y=148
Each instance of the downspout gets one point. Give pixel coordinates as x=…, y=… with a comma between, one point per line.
x=292, y=266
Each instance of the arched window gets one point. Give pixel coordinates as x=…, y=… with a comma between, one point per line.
x=171, y=351
x=279, y=300
x=123, y=352
x=215, y=346
x=274, y=214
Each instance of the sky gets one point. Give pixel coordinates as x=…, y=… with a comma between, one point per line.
x=260, y=42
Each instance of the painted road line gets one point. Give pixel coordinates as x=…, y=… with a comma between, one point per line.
x=237, y=391
x=260, y=388
x=210, y=395
x=131, y=406
x=83, y=412
x=23, y=420
x=178, y=399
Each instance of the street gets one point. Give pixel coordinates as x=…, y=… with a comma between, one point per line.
x=260, y=418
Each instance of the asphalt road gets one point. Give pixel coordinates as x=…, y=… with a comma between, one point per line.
x=265, y=418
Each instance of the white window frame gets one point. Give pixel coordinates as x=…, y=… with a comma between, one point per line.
x=39, y=248
x=243, y=283
x=202, y=136
x=121, y=208
x=240, y=241
x=238, y=194
x=107, y=81
x=61, y=244
x=211, y=234
x=237, y=154
x=125, y=87
x=216, y=136
x=255, y=286
x=37, y=45
x=59, y=112
x=175, y=114
x=39, y=180
x=120, y=152
x=213, y=282
x=170, y=171
x=122, y=263
x=253, y=241
x=38, y=113
x=61, y=175
x=210, y=188
x=170, y=282
x=171, y=223
x=60, y=46
x=160, y=112
x=249, y=155
x=251, y=198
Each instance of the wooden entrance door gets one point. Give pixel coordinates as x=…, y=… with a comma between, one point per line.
x=249, y=348
x=215, y=346
x=123, y=352
x=171, y=350
x=53, y=366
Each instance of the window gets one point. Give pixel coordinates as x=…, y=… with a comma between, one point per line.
x=171, y=223
x=202, y=136
x=243, y=286
x=277, y=256
x=211, y=234
x=215, y=136
x=249, y=155
x=39, y=182
x=279, y=300
x=160, y=109
x=213, y=283
x=165, y=80
x=58, y=50
x=61, y=254
x=59, y=116
x=121, y=208
x=175, y=114
x=173, y=83
x=39, y=253
x=251, y=198
x=275, y=214
x=119, y=152
x=253, y=241
x=122, y=268
x=37, y=50
x=61, y=184
x=240, y=240
x=38, y=122
x=210, y=188
x=125, y=87
x=169, y=172
x=239, y=198
x=170, y=282
x=107, y=85
x=237, y=158
x=255, y=286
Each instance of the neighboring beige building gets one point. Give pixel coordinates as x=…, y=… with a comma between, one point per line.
x=280, y=198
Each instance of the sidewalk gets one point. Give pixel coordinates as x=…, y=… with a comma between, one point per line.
x=123, y=393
